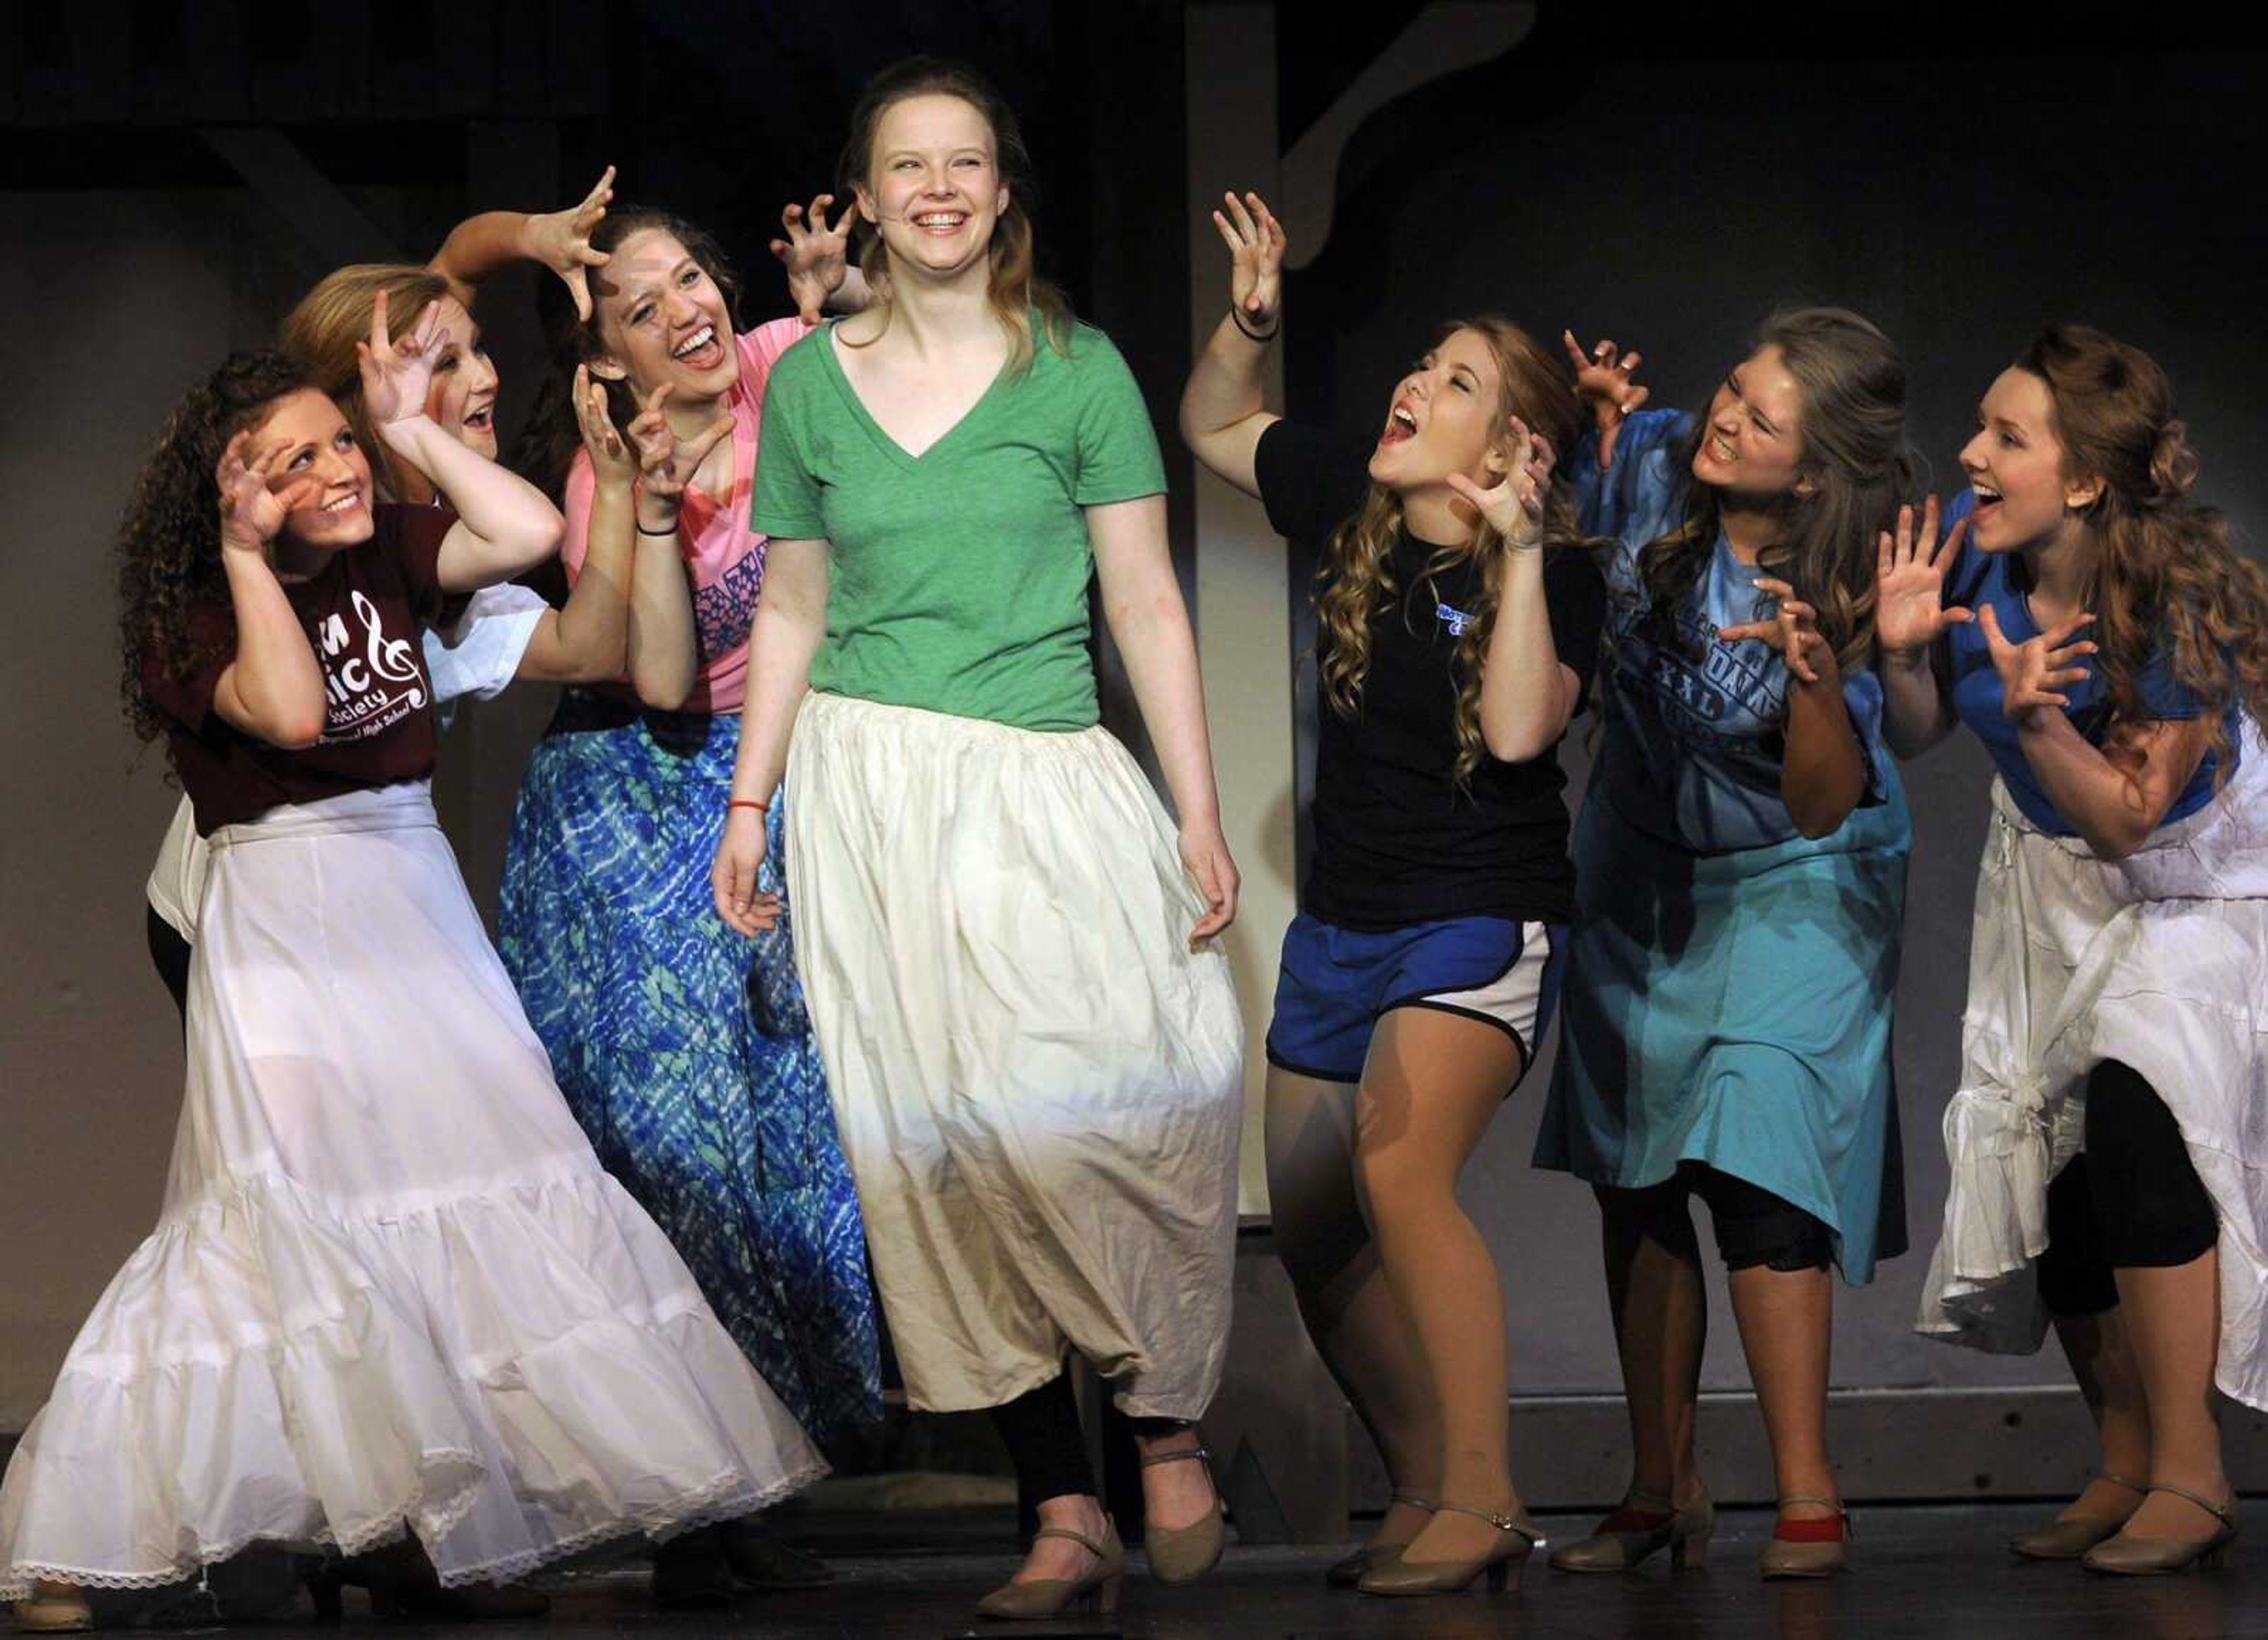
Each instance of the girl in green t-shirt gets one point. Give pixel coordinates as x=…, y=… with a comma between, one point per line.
x=1031, y=1039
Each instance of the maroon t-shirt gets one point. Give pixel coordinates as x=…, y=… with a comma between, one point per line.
x=365, y=614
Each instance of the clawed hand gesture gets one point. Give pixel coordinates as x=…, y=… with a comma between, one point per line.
x=561, y=241
x=396, y=376
x=252, y=512
x=1910, y=614
x=1605, y=384
x=817, y=257
x=1514, y=506
x=666, y=464
x=1794, y=627
x=1256, y=249
x=2035, y=673
x=612, y=459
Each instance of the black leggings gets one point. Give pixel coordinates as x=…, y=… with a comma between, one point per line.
x=2132, y=1200
x=1753, y=1225
x=1041, y=1429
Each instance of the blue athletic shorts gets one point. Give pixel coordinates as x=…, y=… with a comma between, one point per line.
x=1336, y=983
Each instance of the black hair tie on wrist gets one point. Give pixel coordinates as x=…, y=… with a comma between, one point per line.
x=672, y=530
x=1236, y=318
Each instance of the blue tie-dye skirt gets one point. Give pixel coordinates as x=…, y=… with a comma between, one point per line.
x=683, y=1047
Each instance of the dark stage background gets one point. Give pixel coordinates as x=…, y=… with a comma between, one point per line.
x=174, y=174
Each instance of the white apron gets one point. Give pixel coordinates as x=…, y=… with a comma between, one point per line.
x=2159, y=961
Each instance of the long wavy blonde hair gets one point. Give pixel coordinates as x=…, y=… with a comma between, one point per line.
x=1014, y=286
x=2168, y=579
x=1356, y=579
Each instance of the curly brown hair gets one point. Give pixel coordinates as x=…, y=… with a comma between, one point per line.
x=2168, y=579
x=1854, y=451
x=1534, y=384
x=169, y=565
x=554, y=432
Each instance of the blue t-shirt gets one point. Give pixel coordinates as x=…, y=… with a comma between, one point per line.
x=1978, y=578
x=1694, y=742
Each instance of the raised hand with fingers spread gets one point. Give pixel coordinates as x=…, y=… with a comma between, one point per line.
x=666, y=464
x=395, y=375
x=560, y=241
x=1910, y=610
x=2034, y=672
x=816, y=255
x=252, y=504
x=612, y=460
x=1255, y=245
x=1793, y=629
x=1514, y=506
x=1605, y=383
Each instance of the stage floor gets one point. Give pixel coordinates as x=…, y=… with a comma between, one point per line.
x=1923, y=1572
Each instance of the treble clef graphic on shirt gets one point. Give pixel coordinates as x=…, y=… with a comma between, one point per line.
x=393, y=660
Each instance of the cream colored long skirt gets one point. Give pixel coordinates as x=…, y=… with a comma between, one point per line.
x=1037, y=1080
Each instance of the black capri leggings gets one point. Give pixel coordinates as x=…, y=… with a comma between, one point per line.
x=1753, y=1225
x=2132, y=1200
x=1041, y=1429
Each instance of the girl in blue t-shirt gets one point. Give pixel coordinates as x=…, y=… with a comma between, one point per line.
x=2100, y=634
x=1739, y=863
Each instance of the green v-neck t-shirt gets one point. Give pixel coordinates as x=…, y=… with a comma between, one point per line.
x=959, y=576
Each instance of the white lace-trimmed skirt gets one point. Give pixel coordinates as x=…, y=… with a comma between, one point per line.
x=1037, y=1082
x=2159, y=961
x=391, y=1287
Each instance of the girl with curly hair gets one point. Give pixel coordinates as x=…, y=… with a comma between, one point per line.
x=683, y=1047
x=1460, y=618
x=1741, y=863
x=633, y=610
x=391, y=1294
x=2099, y=632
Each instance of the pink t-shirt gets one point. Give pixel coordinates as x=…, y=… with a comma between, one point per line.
x=724, y=558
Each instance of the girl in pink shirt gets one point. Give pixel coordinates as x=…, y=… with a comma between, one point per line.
x=683, y=1047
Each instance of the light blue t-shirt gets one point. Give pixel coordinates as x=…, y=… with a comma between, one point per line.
x=1694, y=742
x=1978, y=578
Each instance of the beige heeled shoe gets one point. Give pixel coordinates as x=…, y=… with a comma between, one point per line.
x=1185, y=1554
x=2147, y=1558
x=2069, y=1540
x=1517, y=1538
x=1810, y=1553
x=1095, y=1591
x=55, y=1609
x=1348, y=1572
x=1685, y=1532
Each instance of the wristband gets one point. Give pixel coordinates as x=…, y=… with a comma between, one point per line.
x=672, y=530
x=1264, y=337
x=748, y=802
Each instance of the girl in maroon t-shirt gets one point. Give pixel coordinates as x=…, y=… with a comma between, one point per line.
x=391, y=1291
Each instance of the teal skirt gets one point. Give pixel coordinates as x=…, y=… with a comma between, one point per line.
x=1735, y=1010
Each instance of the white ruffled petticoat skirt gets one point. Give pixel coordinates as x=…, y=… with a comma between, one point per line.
x=2159, y=961
x=391, y=1287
